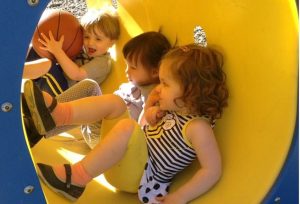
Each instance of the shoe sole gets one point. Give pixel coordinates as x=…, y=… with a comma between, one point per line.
x=30, y=99
x=55, y=189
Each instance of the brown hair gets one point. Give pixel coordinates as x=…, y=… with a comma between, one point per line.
x=148, y=48
x=199, y=71
x=106, y=20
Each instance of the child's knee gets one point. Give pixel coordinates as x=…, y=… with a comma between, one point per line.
x=118, y=105
x=127, y=125
x=125, y=129
x=91, y=86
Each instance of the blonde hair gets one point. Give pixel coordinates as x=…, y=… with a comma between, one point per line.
x=106, y=20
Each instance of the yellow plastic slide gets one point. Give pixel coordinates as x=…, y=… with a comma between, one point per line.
x=259, y=39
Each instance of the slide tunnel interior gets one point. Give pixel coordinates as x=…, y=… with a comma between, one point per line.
x=257, y=135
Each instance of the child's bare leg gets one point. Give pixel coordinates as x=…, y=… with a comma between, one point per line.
x=92, y=109
x=110, y=150
x=87, y=110
x=106, y=154
x=82, y=89
x=47, y=114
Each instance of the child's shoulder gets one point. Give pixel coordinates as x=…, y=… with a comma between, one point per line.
x=199, y=126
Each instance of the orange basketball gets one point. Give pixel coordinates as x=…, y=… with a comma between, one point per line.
x=60, y=23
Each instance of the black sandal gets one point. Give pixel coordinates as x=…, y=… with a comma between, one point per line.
x=32, y=134
x=41, y=115
x=68, y=190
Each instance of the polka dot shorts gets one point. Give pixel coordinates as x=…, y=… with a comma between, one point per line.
x=149, y=188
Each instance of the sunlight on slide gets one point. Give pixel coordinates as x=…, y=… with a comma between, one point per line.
x=130, y=24
x=128, y=21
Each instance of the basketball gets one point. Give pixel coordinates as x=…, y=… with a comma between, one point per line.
x=60, y=23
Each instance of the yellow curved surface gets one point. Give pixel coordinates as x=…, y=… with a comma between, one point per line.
x=259, y=40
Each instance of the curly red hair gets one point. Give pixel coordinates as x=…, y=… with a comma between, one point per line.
x=199, y=71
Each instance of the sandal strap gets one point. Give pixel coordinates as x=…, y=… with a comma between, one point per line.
x=53, y=105
x=68, y=175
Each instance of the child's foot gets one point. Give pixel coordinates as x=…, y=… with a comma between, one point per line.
x=32, y=134
x=67, y=189
x=40, y=113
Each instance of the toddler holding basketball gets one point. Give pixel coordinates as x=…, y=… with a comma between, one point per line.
x=101, y=29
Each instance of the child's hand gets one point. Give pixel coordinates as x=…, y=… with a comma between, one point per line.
x=170, y=199
x=50, y=44
x=153, y=115
x=153, y=98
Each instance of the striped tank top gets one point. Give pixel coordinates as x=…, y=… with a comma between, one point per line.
x=168, y=149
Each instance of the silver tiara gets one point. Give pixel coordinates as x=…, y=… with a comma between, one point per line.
x=114, y=3
x=200, y=36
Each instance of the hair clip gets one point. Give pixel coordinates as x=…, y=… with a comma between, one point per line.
x=200, y=36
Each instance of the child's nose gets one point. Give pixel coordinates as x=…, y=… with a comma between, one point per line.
x=90, y=42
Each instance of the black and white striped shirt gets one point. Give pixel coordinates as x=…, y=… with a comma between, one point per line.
x=168, y=149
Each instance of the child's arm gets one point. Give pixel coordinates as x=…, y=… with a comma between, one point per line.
x=36, y=68
x=202, y=138
x=72, y=70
